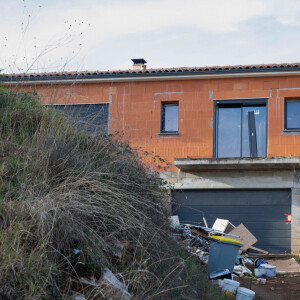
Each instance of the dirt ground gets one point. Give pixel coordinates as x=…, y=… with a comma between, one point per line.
x=285, y=287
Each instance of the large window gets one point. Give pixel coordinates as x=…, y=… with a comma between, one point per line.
x=292, y=115
x=93, y=118
x=169, y=118
x=240, y=129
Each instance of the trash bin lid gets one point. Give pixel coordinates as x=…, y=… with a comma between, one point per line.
x=225, y=239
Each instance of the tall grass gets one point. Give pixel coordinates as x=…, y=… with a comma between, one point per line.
x=73, y=204
x=61, y=190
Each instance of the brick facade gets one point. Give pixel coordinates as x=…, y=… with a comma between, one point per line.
x=135, y=110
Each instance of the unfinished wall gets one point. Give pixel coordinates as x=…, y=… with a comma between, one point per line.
x=135, y=110
x=296, y=219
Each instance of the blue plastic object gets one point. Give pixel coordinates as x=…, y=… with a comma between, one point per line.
x=222, y=255
x=258, y=262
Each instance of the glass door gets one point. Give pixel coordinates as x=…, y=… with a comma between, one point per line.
x=241, y=131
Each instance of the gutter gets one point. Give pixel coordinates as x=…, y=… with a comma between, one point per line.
x=139, y=77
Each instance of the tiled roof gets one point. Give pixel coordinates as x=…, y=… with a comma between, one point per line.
x=284, y=67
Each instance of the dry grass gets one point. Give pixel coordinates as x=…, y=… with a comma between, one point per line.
x=62, y=190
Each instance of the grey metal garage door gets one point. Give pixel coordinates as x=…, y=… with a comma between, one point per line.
x=261, y=211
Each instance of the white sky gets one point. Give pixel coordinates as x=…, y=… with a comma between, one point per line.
x=56, y=35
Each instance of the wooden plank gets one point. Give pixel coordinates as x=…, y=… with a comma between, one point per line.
x=246, y=237
x=259, y=250
x=199, y=233
x=272, y=255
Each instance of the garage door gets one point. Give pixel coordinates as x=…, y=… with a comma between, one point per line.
x=261, y=211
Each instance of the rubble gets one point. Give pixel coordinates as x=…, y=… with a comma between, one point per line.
x=197, y=240
x=239, y=269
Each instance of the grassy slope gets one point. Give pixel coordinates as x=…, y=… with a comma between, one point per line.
x=62, y=190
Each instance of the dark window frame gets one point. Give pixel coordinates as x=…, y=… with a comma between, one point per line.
x=236, y=103
x=285, y=128
x=162, y=118
x=106, y=131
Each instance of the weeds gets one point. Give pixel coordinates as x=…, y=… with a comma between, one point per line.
x=62, y=190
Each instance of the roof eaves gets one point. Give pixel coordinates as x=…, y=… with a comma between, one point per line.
x=152, y=72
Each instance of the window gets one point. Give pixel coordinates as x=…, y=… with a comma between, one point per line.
x=292, y=114
x=240, y=129
x=169, y=120
x=93, y=118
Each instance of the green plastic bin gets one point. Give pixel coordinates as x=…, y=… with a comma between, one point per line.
x=222, y=255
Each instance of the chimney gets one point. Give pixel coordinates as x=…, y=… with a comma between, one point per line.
x=139, y=64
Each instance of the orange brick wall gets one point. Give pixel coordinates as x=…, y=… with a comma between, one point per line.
x=136, y=107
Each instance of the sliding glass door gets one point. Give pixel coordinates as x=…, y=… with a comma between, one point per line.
x=241, y=130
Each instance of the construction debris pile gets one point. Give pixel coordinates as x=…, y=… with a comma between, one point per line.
x=224, y=248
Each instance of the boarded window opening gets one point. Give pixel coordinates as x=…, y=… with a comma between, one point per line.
x=93, y=118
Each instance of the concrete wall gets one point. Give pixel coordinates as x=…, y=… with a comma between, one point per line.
x=231, y=179
x=296, y=220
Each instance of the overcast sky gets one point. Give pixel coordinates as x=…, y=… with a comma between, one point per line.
x=56, y=35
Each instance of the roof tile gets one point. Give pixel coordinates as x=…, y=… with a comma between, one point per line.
x=116, y=73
